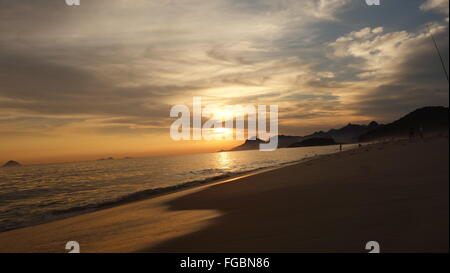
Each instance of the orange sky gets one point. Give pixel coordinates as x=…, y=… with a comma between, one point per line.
x=98, y=80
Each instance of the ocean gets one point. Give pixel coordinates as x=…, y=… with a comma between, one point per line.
x=36, y=194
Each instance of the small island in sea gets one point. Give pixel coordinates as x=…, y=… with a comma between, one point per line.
x=11, y=163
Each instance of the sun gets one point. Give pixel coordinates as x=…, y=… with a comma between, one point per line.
x=221, y=131
x=223, y=115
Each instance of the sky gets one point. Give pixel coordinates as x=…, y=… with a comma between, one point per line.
x=99, y=79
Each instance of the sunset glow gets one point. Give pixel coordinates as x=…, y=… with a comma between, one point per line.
x=224, y=135
x=102, y=78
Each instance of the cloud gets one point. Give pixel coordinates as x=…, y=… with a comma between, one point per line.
x=121, y=65
x=385, y=53
x=398, y=71
x=325, y=9
x=440, y=6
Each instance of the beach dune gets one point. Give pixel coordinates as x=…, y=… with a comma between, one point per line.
x=395, y=193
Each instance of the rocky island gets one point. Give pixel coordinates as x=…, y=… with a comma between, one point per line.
x=11, y=163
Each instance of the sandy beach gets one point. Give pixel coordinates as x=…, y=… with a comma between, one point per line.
x=395, y=193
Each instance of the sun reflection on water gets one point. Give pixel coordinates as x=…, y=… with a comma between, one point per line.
x=224, y=160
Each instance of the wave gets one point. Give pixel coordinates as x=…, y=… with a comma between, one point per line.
x=145, y=194
x=56, y=214
x=140, y=195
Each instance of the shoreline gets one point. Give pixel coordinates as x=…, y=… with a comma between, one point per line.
x=56, y=215
x=154, y=224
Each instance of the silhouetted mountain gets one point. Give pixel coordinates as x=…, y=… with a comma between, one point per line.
x=431, y=119
x=315, y=141
x=249, y=145
x=347, y=134
x=108, y=158
x=285, y=141
x=11, y=163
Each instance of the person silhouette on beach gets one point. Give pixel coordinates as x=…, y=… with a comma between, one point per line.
x=411, y=134
x=421, y=131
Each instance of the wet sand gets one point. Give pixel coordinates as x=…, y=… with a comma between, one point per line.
x=394, y=193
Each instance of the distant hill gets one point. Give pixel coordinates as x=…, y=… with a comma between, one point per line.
x=108, y=158
x=431, y=119
x=248, y=145
x=11, y=163
x=315, y=141
x=286, y=141
x=347, y=134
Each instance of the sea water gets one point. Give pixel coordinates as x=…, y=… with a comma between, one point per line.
x=40, y=193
